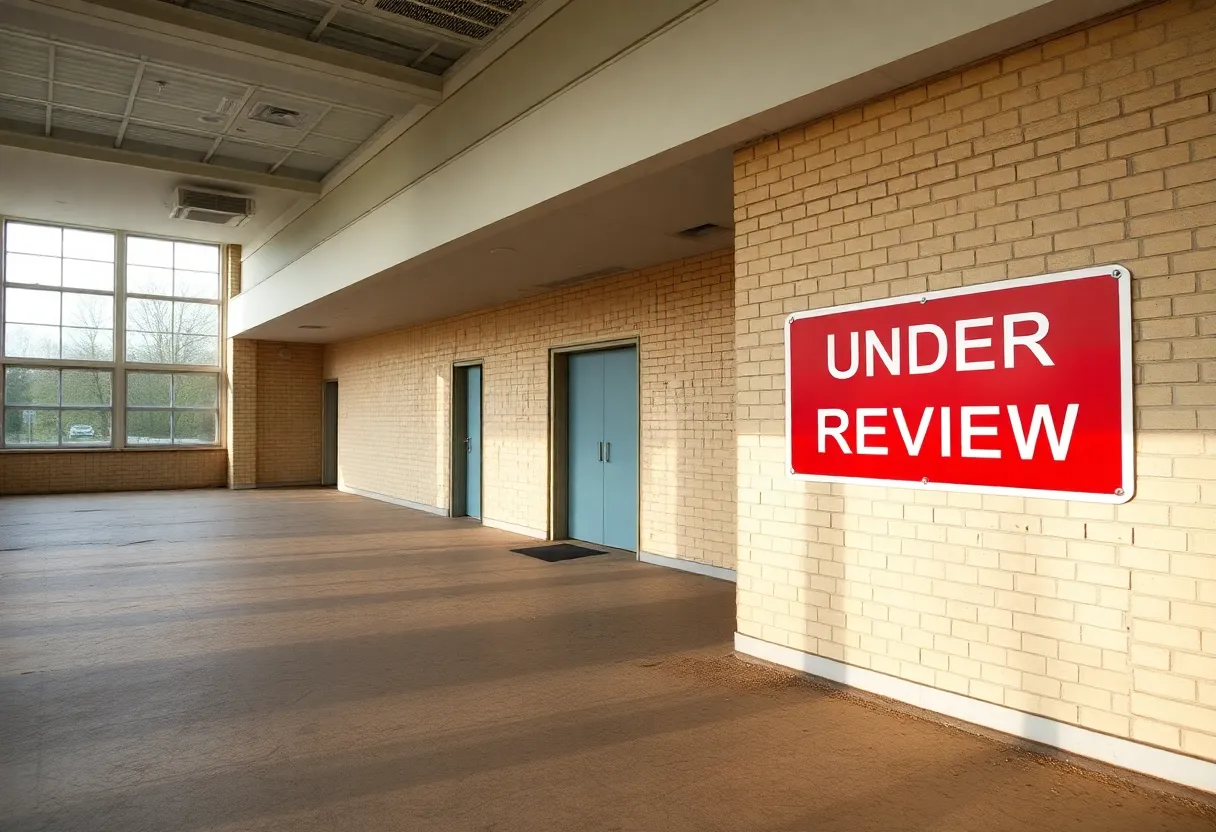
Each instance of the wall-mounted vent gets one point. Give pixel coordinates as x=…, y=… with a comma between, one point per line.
x=214, y=207
x=583, y=278
x=698, y=232
x=475, y=20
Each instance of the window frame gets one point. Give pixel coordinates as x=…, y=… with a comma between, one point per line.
x=120, y=366
x=60, y=408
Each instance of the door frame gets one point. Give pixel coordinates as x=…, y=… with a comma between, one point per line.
x=325, y=438
x=559, y=430
x=457, y=410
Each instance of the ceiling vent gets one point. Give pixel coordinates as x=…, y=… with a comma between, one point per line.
x=213, y=207
x=701, y=231
x=267, y=113
x=473, y=19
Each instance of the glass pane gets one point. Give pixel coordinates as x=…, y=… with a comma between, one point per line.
x=26, y=341
x=88, y=245
x=196, y=285
x=196, y=257
x=88, y=344
x=195, y=390
x=31, y=306
x=148, y=389
x=148, y=427
x=33, y=239
x=194, y=427
x=86, y=387
x=146, y=280
x=150, y=347
x=85, y=427
x=196, y=319
x=199, y=350
x=26, y=268
x=149, y=315
x=30, y=428
x=96, y=311
x=31, y=385
x=88, y=274
x=144, y=252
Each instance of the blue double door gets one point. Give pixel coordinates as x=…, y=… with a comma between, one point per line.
x=603, y=453
x=469, y=390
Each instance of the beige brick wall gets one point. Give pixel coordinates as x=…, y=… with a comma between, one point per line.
x=288, y=423
x=65, y=472
x=394, y=393
x=1096, y=147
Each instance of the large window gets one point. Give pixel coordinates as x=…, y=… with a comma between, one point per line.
x=108, y=340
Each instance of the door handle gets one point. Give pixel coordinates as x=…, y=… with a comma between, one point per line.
x=601, y=452
x=607, y=452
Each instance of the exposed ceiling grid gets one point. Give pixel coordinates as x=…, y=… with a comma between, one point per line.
x=429, y=35
x=77, y=92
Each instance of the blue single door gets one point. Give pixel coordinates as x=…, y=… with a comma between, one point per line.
x=586, y=453
x=472, y=475
x=603, y=453
x=621, y=449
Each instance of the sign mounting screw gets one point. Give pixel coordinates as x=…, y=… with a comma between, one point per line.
x=924, y=480
x=923, y=299
x=1119, y=492
x=1116, y=273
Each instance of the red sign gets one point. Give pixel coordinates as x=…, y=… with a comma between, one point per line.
x=1017, y=387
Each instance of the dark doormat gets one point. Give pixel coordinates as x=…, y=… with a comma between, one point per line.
x=558, y=551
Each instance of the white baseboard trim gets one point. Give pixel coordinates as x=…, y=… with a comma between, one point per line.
x=504, y=526
x=710, y=571
x=397, y=501
x=1145, y=759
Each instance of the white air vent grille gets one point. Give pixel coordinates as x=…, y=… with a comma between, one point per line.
x=469, y=19
x=214, y=207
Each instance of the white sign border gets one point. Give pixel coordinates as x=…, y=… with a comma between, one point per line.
x=1127, y=489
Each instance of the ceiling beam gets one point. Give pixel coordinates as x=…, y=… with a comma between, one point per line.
x=102, y=153
x=325, y=21
x=50, y=88
x=180, y=34
x=126, y=115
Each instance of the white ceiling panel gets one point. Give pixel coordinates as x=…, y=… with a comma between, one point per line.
x=100, y=102
x=168, y=138
x=266, y=133
x=94, y=70
x=350, y=124
x=325, y=146
x=250, y=152
x=84, y=123
x=181, y=88
x=22, y=110
x=23, y=55
x=22, y=87
x=310, y=163
x=173, y=116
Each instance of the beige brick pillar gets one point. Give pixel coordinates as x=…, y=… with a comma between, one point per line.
x=242, y=364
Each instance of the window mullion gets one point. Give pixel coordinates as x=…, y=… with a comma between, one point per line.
x=118, y=419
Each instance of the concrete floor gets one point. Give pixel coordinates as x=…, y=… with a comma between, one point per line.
x=306, y=660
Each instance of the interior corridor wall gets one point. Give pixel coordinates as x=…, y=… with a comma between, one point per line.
x=1095, y=147
x=395, y=396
